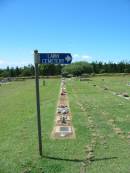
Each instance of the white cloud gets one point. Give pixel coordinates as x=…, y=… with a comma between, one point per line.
x=76, y=55
x=4, y=64
x=79, y=57
x=86, y=57
x=20, y=63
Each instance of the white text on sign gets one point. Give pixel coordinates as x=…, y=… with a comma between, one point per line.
x=53, y=61
x=53, y=55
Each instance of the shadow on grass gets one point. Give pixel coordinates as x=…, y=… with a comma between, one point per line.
x=78, y=160
x=104, y=158
x=62, y=159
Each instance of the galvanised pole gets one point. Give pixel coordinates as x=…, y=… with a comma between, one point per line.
x=37, y=61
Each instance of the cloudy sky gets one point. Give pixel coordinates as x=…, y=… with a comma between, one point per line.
x=89, y=29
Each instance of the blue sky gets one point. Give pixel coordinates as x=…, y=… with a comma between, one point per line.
x=89, y=29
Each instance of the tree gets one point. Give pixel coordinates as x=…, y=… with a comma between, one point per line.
x=17, y=71
x=26, y=71
x=77, y=68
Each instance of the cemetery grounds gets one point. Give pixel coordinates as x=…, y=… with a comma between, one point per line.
x=100, y=117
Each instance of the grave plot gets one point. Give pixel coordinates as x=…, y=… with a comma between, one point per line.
x=63, y=121
x=123, y=95
x=119, y=94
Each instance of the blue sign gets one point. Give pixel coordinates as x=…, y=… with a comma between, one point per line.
x=55, y=58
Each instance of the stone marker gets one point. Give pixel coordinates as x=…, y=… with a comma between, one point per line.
x=125, y=94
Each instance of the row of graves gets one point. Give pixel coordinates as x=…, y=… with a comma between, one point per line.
x=63, y=122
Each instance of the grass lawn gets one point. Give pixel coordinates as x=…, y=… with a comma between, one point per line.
x=92, y=109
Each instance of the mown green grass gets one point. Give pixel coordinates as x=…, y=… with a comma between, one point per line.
x=102, y=106
x=18, y=127
x=18, y=131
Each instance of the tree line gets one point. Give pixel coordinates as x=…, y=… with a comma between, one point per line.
x=74, y=69
x=44, y=70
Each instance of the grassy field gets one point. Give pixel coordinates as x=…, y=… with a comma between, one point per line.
x=97, y=113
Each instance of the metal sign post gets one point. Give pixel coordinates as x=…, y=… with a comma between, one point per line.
x=36, y=61
x=46, y=58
